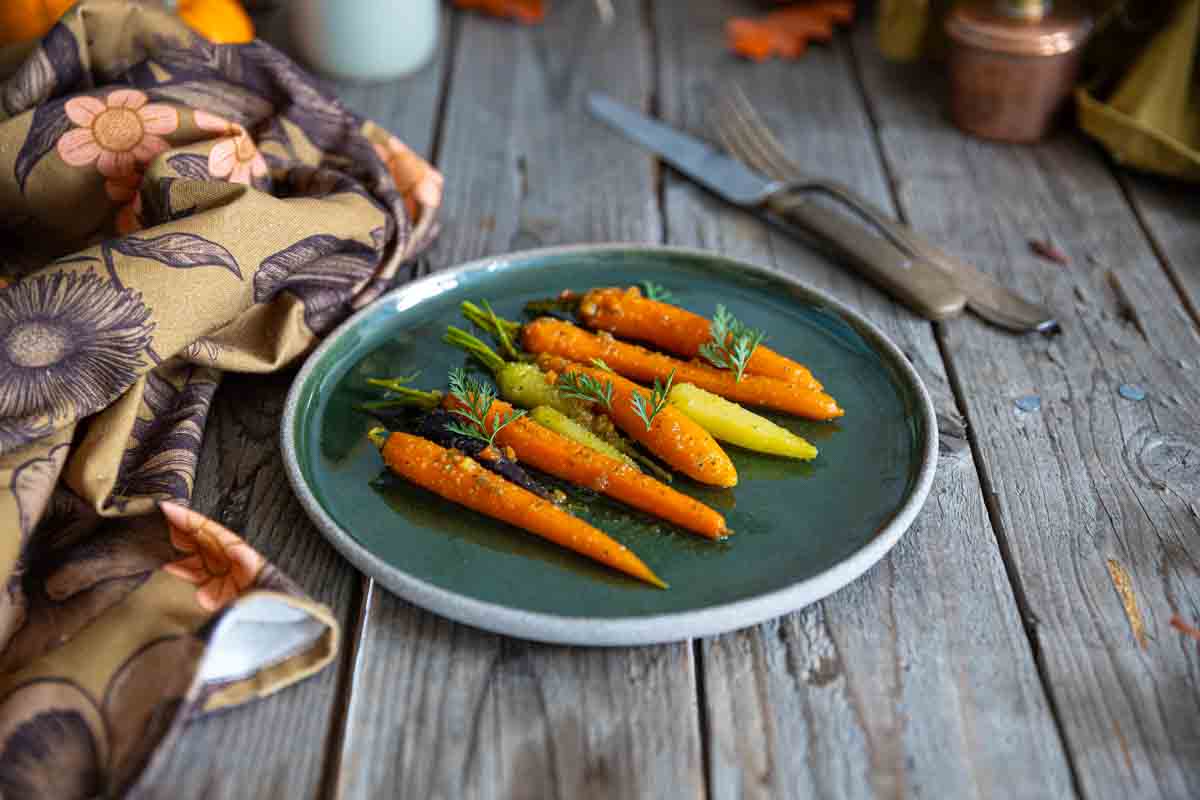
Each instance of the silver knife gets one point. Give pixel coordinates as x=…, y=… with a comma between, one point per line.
x=930, y=282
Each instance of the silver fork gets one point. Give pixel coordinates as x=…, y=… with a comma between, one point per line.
x=748, y=138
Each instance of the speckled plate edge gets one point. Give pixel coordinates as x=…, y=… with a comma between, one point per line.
x=614, y=631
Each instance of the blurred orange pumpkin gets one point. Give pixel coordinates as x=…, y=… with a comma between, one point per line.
x=222, y=21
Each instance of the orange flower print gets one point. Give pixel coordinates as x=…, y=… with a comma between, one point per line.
x=117, y=133
x=124, y=190
x=236, y=159
x=420, y=183
x=220, y=563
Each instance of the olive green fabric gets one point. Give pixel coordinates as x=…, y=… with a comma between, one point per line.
x=169, y=209
x=1139, y=93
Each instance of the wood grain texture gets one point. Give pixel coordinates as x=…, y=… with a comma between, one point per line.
x=1168, y=212
x=440, y=710
x=273, y=747
x=1092, y=476
x=280, y=746
x=917, y=679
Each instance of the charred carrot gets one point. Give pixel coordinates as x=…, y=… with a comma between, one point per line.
x=461, y=480
x=626, y=313
x=670, y=435
x=558, y=338
x=543, y=449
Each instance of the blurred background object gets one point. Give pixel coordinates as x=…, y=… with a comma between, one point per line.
x=1012, y=63
x=364, y=40
x=221, y=21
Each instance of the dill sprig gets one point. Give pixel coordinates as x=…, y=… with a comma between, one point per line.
x=658, y=400
x=477, y=397
x=585, y=387
x=656, y=291
x=732, y=342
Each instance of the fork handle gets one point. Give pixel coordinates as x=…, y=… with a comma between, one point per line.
x=913, y=281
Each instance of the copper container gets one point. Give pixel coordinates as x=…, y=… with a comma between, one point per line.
x=1012, y=63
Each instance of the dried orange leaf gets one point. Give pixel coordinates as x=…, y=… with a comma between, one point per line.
x=526, y=11
x=1124, y=587
x=786, y=33
x=1187, y=630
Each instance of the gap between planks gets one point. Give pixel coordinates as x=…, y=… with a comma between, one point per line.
x=1028, y=618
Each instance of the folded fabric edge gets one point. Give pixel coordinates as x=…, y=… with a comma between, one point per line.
x=1132, y=143
x=302, y=637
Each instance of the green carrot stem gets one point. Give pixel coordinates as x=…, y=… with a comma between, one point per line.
x=476, y=347
x=496, y=326
x=406, y=395
x=551, y=304
x=378, y=436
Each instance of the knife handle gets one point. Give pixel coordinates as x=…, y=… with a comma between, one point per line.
x=913, y=281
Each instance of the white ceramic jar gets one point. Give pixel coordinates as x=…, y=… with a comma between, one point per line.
x=364, y=40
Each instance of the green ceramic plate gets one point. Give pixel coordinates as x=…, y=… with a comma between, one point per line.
x=802, y=530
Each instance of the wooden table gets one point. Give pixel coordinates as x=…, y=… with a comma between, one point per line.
x=989, y=655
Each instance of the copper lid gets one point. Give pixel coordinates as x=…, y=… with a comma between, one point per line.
x=1019, y=27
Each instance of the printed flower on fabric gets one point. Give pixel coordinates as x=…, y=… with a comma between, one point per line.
x=118, y=133
x=236, y=159
x=419, y=183
x=70, y=342
x=125, y=191
x=220, y=564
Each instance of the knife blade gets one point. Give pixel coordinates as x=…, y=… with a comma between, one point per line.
x=921, y=275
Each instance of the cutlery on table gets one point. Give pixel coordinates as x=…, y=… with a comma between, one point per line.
x=887, y=252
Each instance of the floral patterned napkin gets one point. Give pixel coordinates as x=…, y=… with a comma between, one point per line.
x=169, y=209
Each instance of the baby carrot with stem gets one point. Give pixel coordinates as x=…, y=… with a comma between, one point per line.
x=461, y=480
x=669, y=433
x=630, y=315
x=558, y=338
x=545, y=450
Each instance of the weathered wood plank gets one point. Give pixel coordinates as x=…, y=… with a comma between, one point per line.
x=280, y=746
x=1168, y=212
x=442, y=710
x=1092, y=479
x=918, y=678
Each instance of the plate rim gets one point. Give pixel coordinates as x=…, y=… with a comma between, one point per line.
x=626, y=630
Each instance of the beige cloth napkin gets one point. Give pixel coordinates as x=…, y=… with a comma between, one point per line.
x=169, y=209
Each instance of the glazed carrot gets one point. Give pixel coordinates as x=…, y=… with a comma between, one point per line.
x=672, y=435
x=555, y=337
x=626, y=313
x=461, y=480
x=542, y=448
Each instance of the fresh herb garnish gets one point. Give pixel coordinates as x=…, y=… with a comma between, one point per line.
x=732, y=342
x=586, y=388
x=478, y=397
x=598, y=363
x=655, y=291
x=658, y=400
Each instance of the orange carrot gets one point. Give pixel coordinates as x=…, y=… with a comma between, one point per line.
x=626, y=313
x=555, y=337
x=557, y=455
x=461, y=480
x=672, y=435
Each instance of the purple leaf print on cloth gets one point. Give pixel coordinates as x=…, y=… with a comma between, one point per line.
x=324, y=271
x=50, y=717
x=162, y=460
x=54, y=70
x=190, y=165
x=179, y=250
x=33, y=482
x=70, y=343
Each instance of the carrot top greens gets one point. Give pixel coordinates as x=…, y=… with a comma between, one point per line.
x=655, y=291
x=477, y=398
x=732, y=342
x=658, y=400
x=586, y=388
